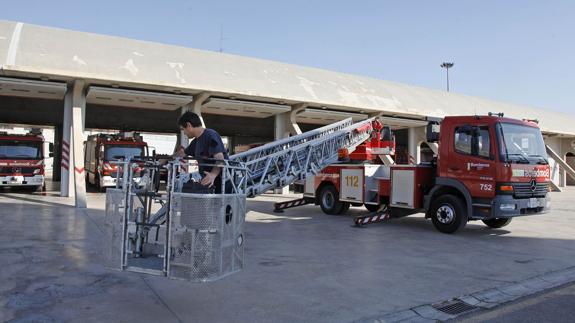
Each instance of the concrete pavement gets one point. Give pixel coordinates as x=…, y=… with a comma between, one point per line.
x=301, y=265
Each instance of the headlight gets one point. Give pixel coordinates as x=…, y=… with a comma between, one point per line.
x=37, y=171
x=507, y=207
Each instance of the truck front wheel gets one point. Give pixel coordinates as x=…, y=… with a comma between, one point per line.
x=329, y=201
x=497, y=223
x=448, y=214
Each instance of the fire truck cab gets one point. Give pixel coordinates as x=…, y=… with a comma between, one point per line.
x=22, y=159
x=101, y=150
x=488, y=168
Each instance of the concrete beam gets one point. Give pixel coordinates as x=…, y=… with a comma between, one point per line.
x=293, y=126
x=554, y=187
x=562, y=163
x=78, y=121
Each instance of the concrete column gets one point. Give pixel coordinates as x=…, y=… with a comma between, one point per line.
x=67, y=181
x=280, y=132
x=196, y=107
x=78, y=117
x=412, y=146
x=182, y=141
x=415, y=136
x=56, y=166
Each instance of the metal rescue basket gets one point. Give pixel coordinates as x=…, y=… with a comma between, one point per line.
x=190, y=232
x=192, y=236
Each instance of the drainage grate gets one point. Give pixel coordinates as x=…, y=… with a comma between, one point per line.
x=454, y=307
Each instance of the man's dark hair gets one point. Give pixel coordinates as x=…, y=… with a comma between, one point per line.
x=190, y=117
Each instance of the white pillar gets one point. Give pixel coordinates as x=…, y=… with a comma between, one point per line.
x=196, y=107
x=67, y=181
x=416, y=136
x=78, y=117
x=280, y=132
x=412, y=149
x=182, y=141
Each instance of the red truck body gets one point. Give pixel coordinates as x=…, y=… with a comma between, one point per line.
x=22, y=160
x=487, y=168
x=101, y=150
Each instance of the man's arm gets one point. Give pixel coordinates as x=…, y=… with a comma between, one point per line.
x=210, y=176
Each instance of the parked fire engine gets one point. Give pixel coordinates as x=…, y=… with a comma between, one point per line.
x=488, y=168
x=101, y=150
x=22, y=159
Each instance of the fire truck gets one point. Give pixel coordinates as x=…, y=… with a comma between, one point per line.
x=22, y=159
x=102, y=150
x=487, y=168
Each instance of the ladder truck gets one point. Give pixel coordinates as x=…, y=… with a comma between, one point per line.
x=487, y=168
x=100, y=149
x=22, y=160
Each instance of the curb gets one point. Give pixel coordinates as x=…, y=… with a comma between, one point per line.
x=485, y=299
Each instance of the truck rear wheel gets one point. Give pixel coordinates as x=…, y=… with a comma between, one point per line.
x=448, y=214
x=497, y=223
x=329, y=201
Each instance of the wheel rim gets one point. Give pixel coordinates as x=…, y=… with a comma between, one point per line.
x=328, y=200
x=445, y=214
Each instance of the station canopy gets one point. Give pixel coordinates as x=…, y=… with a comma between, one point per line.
x=56, y=55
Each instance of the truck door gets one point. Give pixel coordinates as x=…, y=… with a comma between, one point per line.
x=472, y=159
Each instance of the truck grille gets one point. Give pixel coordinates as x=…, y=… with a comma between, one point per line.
x=22, y=170
x=522, y=190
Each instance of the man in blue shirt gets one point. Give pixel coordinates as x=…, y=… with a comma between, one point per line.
x=207, y=144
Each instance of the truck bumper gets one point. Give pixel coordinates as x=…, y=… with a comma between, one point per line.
x=109, y=181
x=36, y=180
x=506, y=206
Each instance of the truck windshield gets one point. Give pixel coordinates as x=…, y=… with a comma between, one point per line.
x=113, y=152
x=20, y=149
x=521, y=144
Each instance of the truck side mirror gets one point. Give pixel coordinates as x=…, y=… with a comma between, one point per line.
x=432, y=131
x=51, y=148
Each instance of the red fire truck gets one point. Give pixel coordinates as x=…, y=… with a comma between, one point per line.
x=488, y=168
x=22, y=159
x=100, y=150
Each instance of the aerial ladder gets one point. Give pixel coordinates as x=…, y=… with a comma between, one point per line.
x=284, y=161
x=184, y=233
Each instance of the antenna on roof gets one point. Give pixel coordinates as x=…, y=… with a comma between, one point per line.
x=222, y=38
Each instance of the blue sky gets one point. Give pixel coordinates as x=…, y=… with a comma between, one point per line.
x=513, y=51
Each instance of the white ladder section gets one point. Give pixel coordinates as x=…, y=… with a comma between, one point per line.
x=282, y=162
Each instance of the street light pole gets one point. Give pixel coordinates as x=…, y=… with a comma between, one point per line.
x=447, y=66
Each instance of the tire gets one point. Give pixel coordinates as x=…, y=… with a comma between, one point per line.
x=497, y=223
x=448, y=214
x=373, y=207
x=329, y=201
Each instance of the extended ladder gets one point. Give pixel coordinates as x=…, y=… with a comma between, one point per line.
x=282, y=162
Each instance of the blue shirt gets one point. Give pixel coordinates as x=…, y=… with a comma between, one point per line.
x=206, y=146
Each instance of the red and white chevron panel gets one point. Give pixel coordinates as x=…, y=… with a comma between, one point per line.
x=65, y=155
x=368, y=219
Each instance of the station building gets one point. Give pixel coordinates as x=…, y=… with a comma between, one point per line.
x=74, y=81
